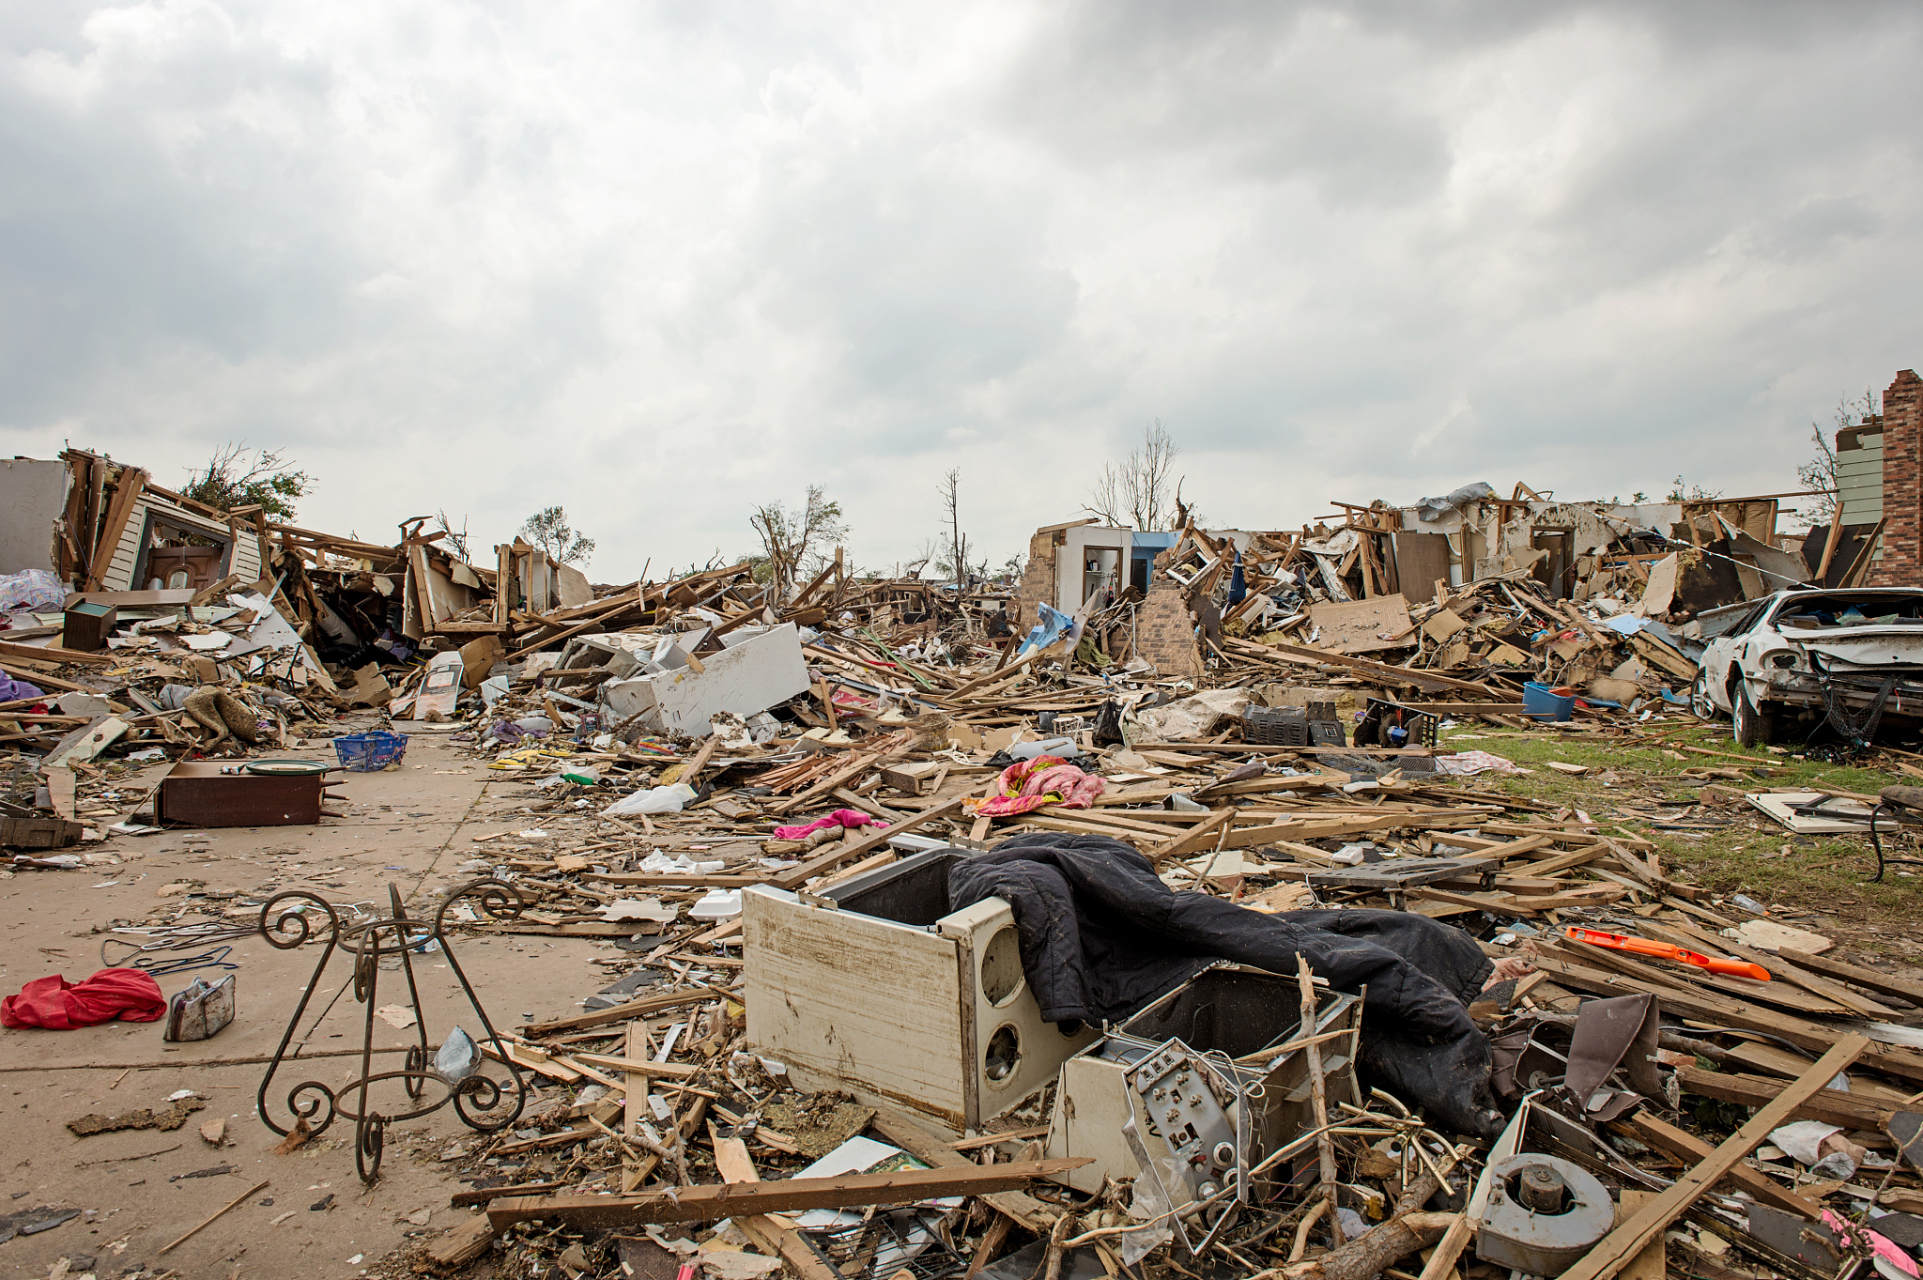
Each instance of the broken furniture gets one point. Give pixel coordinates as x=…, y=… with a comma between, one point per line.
x=263, y=793
x=876, y=987
x=86, y=626
x=39, y=833
x=681, y=693
x=483, y=1103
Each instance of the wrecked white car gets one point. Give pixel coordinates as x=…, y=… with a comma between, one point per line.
x=1796, y=658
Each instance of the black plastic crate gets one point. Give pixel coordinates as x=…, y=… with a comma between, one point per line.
x=1275, y=726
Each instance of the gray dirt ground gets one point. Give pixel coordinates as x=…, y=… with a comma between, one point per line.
x=413, y=828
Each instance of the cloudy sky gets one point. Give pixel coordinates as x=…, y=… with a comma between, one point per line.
x=661, y=261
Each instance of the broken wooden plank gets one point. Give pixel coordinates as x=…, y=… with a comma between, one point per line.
x=55, y=654
x=1887, y=984
x=1023, y=1209
x=707, y=1203
x=463, y=1245
x=1686, y=1146
x=622, y=1012
x=1397, y=676
x=1831, y=1106
x=1623, y=1244
x=1203, y=835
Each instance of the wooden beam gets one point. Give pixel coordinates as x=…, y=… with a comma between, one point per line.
x=1203, y=833
x=1620, y=1246
x=40, y=680
x=1831, y=1106
x=1686, y=1146
x=1887, y=984
x=1394, y=675
x=53, y=653
x=622, y=1012
x=709, y=1202
x=908, y=1134
x=901, y=744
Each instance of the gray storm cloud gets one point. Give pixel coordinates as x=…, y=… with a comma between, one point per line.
x=661, y=262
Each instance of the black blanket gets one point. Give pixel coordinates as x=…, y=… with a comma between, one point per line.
x=1102, y=936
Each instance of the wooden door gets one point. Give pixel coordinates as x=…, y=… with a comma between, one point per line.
x=189, y=567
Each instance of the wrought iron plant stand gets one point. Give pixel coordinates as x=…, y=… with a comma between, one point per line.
x=483, y=1104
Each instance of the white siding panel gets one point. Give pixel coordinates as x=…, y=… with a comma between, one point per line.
x=243, y=558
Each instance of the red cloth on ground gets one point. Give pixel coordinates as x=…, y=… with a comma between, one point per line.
x=130, y=995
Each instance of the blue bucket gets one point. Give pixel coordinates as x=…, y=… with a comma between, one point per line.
x=1539, y=702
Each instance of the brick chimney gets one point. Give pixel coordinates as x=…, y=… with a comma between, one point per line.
x=1902, y=562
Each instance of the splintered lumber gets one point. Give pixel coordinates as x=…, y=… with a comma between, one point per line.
x=1020, y=1207
x=1203, y=835
x=53, y=653
x=461, y=1246
x=900, y=743
x=1887, y=984
x=622, y=1012
x=710, y=1202
x=1831, y=1106
x=1620, y=1246
x=794, y=877
x=1381, y=670
x=1687, y=1146
x=775, y=1235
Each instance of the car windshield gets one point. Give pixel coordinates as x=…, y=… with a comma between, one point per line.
x=1843, y=610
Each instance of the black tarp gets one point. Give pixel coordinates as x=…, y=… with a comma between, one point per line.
x=1102, y=936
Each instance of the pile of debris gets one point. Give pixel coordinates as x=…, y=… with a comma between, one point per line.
x=794, y=1025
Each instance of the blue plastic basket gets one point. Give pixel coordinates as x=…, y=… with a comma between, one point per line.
x=370, y=752
x=1539, y=702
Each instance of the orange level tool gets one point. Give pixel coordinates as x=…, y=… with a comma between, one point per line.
x=1667, y=951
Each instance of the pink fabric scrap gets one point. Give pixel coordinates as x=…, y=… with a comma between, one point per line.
x=839, y=818
x=1027, y=785
x=1880, y=1245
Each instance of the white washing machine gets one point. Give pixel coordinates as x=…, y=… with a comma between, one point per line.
x=876, y=987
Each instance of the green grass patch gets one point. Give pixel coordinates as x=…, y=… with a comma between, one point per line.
x=1631, y=784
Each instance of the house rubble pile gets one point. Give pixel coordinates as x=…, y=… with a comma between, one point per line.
x=862, y=855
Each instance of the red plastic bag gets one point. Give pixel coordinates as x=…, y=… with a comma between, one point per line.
x=130, y=995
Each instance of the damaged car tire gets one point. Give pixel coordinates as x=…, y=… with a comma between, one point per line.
x=1700, y=704
x=1751, y=727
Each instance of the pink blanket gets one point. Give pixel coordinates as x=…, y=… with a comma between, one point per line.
x=1029, y=784
x=839, y=818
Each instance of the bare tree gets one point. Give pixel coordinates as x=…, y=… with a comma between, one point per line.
x=1140, y=492
x=1820, y=471
x=792, y=542
x=456, y=540
x=957, y=551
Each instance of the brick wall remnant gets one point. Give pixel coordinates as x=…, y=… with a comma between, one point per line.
x=1902, y=562
x=1038, y=576
x=1164, y=629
